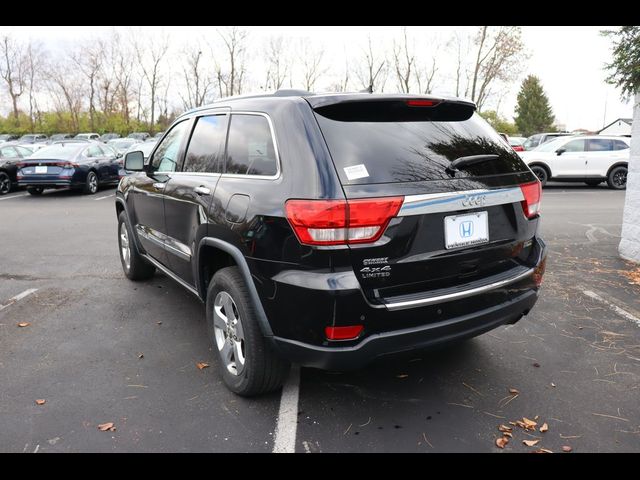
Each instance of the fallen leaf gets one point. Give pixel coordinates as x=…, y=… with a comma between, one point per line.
x=202, y=365
x=529, y=424
x=536, y=417
x=513, y=423
x=508, y=434
x=567, y=449
x=505, y=428
x=542, y=450
x=553, y=385
x=502, y=442
x=402, y=375
x=141, y=355
x=530, y=443
x=537, y=365
x=41, y=401
x=159, y=323
x=107, y=427
x=23, y=324
x=513, y=391
x=544, y=427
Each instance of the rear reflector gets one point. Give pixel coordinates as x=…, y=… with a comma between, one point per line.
x=532, y=195
x=343, y=333
x=538, y=273
x=341, y=222
x=422, y=103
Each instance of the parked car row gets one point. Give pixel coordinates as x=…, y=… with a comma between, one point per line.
x=38, y=138
x=76, y=163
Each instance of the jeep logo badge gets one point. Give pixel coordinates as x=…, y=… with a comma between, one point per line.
x=474, y=200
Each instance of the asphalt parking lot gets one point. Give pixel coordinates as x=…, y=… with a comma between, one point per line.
x=101, y=349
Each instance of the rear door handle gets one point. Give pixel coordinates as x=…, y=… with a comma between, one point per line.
x=202, y=190
x=159, y=185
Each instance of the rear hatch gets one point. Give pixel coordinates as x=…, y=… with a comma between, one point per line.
x=42, y=168
x=456, y=227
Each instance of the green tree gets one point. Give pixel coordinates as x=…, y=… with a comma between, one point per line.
x=533, y=112
x=500, y=124
x=625, y=67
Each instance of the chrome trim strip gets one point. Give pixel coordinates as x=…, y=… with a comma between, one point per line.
x=452, y=201
x=458, y=295
x=172, y=275
x=167, y=243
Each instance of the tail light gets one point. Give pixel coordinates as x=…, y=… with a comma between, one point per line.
x=343, y=333
x=532, y=195
x=423, y=103
x=341, y=222
x=518, y=148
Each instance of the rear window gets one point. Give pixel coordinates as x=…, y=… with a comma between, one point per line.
x=366, y=152
x=59, y=152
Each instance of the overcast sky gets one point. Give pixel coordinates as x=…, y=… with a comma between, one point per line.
x=568, y=60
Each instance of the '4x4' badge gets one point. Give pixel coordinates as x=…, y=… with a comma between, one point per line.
x=376, y=272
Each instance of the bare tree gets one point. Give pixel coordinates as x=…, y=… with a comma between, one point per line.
x=311, y=61
x=66, y=90
x=278, y=63
x=373, y=69
x=35, y=66
x=150, y=56
x=404, y=62
x=88, y=59
x=425, y=75
x=13, y=70
x=198, y=79
x=231, y=79
x=498, y=47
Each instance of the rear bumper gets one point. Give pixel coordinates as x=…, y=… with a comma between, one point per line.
x=47, y=183
x=425, y=336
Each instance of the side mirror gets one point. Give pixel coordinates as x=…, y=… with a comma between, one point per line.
x=134, y=161
x=560, y=151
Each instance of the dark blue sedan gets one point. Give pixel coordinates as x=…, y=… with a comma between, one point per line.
x=81, y=166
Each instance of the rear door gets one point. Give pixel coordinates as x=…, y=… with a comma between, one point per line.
x=189, y=192
x=603, y=153
x=454, y=226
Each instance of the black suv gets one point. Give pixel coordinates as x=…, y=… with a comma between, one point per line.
x=328, y=230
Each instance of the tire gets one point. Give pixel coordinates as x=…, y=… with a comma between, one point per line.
x=541, y=173
x=593, y=183
x=617, y=178
x=5, y=183
x=35, y=190
x=248, y=365
x=91, y=184
x=136, y=268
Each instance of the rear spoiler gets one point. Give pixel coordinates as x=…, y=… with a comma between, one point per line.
x=390, y=108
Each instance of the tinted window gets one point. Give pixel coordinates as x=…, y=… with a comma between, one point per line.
x=575, y=146
x=59, y=151
x=250, y=149
x=411, y=151
x=24, y=152
x=619, y=145
x=600, y=145
x=206, y=147
x=165, y=158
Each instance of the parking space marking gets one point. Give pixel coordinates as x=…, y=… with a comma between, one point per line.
x=102, y=198
x=18, y=297
x=287, y=423
x=615, y=308
x=14, y=196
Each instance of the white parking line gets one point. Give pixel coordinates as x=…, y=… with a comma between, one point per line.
x=102, y=198
x=287, y=423
x=615, y=308
x=18, y=297
x=9, y=197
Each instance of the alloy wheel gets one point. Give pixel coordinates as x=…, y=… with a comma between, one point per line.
x=125, y=249
x=229, y=333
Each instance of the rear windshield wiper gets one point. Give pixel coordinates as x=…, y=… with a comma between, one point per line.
x=471, y=160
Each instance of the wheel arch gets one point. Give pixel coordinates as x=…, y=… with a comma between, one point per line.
x=543, y=165
x=214, y=254
x=616, y=165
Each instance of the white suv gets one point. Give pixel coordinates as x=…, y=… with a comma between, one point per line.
x=590, y=159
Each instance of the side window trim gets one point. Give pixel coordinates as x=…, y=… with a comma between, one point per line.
x=275, y=148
